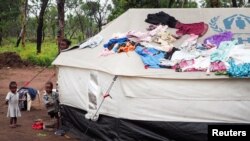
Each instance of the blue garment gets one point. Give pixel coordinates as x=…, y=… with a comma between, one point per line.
x=201, y=47
x=32, y=92
x=151, y=57
x=114, y=41
x=238, y=70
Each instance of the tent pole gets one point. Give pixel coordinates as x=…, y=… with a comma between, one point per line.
x=104, y=96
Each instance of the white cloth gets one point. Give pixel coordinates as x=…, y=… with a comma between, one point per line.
x=29, y=102
x=240, y=54
x=183, y=55
x=92, y=42
x=201, y=63
x=13, y=108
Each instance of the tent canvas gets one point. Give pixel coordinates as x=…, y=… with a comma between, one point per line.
x=160, y=96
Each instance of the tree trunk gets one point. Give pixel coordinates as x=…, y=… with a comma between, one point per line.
x=80, y=22
x=234, y=3
x=170, y=4
x=43, y=33
x=157, y=4
x=99, y=23
x=60, y=34
x=1, y=38
x=215, y=3
x=70, y=37
x=40, y=26
x=98, y=20
x=23, y=11
x=241, y=3
x=1, y=34
x=19, y=38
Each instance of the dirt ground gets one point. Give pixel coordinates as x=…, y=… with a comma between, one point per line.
x=25, y=132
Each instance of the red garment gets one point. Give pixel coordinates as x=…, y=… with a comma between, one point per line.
x=193, y=28
x=38, y=125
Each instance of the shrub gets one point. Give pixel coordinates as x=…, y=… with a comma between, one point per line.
x=45, y=58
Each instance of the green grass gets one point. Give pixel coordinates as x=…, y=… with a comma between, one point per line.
x=45, y=58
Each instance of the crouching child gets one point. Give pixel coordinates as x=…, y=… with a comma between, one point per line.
x=51, y=101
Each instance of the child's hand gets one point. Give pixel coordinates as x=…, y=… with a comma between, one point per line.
x=7, y=102
x=49, y=104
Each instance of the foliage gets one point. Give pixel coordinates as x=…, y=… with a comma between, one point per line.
x=49, y=52
x=98, y=11
x=79, y=23
x=224, y=3
x=50, y=20
x=120, y=6
x=9, y=17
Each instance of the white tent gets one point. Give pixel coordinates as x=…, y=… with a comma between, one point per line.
x=152, y=95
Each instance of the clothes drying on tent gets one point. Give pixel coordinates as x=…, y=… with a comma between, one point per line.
x=162, y=18
x=216, y=39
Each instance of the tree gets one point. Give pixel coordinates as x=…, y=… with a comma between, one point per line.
x=171, y=2
x=248, y=4
x=8, y=18
x=121, y=6
x=23, y=11
x=234, y=2
x=98, y=11
x=75, y=5
x=50, y=20
x=60, y=33
x=215, y=3
x=40, y=25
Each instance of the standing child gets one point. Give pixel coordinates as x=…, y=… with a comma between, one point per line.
x=12, y=99
x=51, y=101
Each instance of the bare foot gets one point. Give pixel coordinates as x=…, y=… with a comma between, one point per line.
x=12, y=126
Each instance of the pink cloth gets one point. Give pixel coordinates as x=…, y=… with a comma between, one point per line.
x=184, y=63
x=217, y=66
x=193, y=28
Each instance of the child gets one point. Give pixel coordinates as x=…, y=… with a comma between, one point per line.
x=64, y=44
x=51, y=101
x=12, y=99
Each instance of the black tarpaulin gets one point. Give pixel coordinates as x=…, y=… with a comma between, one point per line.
x=108, y=128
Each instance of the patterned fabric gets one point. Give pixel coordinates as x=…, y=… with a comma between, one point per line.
x=240, y=70
x=151, y=57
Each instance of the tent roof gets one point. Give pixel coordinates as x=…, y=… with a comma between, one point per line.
x=130, y=64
